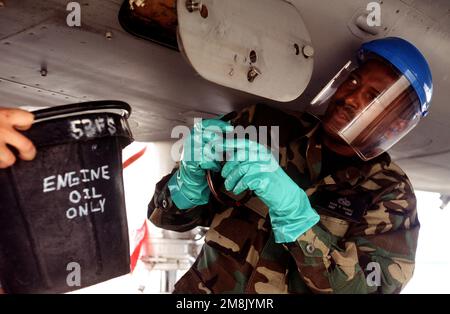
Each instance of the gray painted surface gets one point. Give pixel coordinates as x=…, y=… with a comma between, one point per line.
x=164, y=91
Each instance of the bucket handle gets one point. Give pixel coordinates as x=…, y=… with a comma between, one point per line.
x=79, y=108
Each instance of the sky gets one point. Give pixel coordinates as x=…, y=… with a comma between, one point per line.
x=432, y=273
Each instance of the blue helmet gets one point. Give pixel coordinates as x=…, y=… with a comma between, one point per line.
x=409, y=61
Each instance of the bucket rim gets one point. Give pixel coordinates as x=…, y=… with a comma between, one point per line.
x=101, y=106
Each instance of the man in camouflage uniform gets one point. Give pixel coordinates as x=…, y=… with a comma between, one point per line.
x=368, y=219
x=240, y=255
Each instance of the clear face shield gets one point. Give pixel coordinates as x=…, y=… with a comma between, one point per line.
x=369, y=105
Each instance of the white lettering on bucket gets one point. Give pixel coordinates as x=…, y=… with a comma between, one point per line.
x=71, y=179
x=84, y=173
x=71, y=213
x=75, y=197
x=67, y=180
x=105, y=173
x=86, y=208
x=91, y=194
x=83, y=209
x=111, y=126
x=91, y=128
x=48, y=184
x=86, y=200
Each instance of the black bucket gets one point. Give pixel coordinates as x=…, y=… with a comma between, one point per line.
x=63, y=222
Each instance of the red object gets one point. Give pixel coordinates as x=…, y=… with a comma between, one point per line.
x=135, y=157
x=143, y=245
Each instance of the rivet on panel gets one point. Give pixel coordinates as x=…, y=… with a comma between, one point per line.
x=253, y=73
x=193, y=5
x=308, y=51
x=43, y=69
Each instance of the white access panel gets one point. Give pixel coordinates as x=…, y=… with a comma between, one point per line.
x=261, y=47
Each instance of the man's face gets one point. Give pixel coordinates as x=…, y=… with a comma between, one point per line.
x=356, y=93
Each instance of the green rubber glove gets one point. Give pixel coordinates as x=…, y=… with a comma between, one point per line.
x=188, y=186
x=254, y=167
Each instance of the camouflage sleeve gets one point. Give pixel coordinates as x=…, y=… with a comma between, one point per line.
x=375, y=256
x=165, y=214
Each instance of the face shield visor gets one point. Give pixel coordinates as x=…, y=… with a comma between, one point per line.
x=369, y=105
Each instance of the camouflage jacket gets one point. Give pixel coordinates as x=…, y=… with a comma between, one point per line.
x=374, y=254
